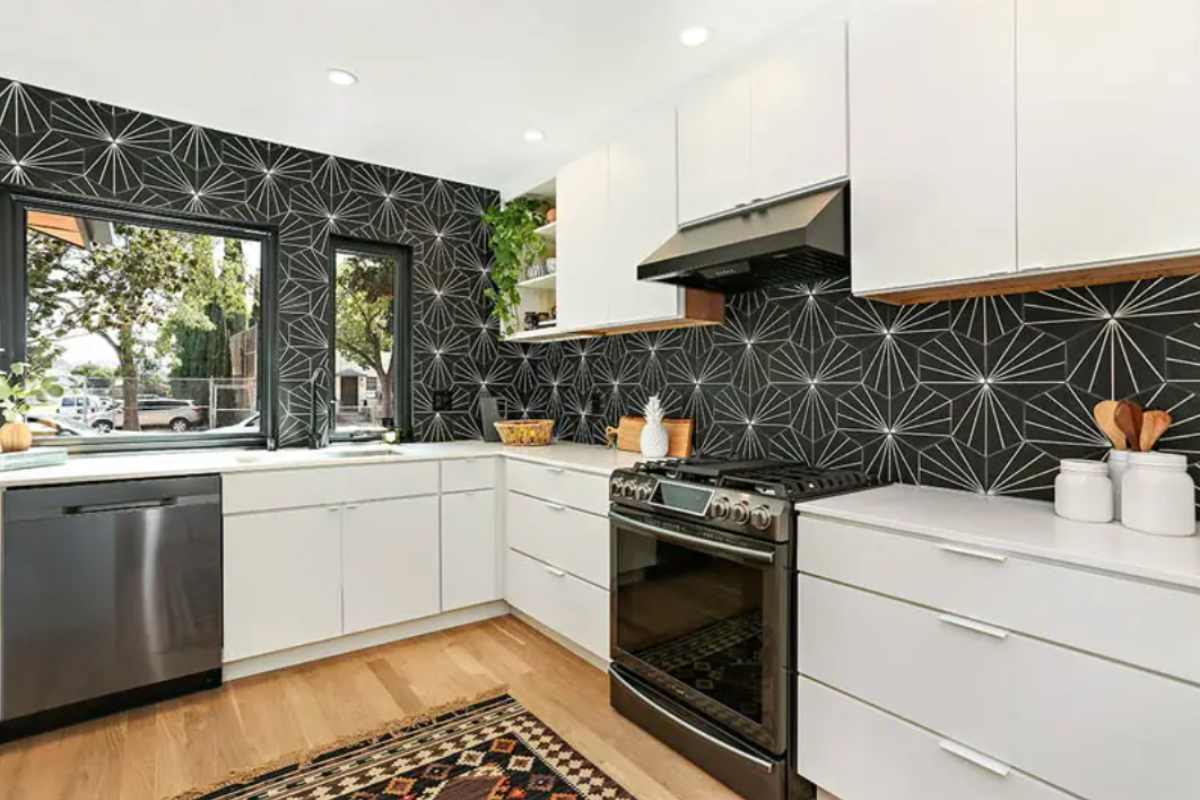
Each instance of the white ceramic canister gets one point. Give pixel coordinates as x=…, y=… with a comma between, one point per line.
x=1083, y=491
x=1118, y=464
x=1158, y=496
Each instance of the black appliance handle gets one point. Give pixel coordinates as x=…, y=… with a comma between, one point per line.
x=694, y=541
x=761, y=763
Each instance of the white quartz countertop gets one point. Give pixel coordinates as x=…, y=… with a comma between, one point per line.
x=585, y=458
x=1016, y=526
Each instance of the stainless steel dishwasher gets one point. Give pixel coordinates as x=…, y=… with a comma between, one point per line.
x=111, y=598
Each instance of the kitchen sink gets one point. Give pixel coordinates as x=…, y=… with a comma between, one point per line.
x=363, y=451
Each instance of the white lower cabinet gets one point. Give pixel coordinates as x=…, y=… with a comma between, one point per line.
x=568, y=605
x=860, y=753
x=470, y=547
x=573, y=540
x=390, y=562
x=283, y=580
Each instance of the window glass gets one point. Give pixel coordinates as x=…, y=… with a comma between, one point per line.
x=364, y=324
x=149, y=330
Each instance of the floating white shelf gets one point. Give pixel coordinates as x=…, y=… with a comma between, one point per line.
x=548, y=231
x=542, y=282
x=540, y=333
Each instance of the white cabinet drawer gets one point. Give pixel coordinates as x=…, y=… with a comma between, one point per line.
x=1098, y=729
x=567, y=605
x=387, y=481
x=572, y=540
x=1120, y=618
x=468, y=474
x=576, y=489
x=280, y=489
x=860, y=753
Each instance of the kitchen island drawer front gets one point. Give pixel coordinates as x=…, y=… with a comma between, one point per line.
x=572, y=540
x=281, y=489
x=571, y=607
x=468, y=474
x=1120, y=618
x=860, y=753
x=575, y=489
x=390, y=481
x=1095, y=728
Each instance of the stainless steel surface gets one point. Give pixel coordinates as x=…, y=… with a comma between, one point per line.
x=108, y=587
x=695, y=542
x=761, y=763
x=764, y=243
x=318, y=437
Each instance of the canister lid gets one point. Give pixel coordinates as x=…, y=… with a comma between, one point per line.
x=1083, y=466
x=1176, y=462
x=1118, y=455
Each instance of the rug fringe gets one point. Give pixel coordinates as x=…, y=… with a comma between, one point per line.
x=303, y=758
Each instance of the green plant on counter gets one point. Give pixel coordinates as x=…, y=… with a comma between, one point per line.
x=19, y=386
x=515, y=245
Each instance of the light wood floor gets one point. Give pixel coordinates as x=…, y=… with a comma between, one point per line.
x=165, y=749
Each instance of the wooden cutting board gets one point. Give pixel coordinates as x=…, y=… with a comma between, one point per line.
x=679, y=435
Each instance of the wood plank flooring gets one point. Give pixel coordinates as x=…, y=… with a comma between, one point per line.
x=165, y=749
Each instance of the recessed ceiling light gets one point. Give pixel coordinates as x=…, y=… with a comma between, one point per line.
x=342, y=77
x=534, y=136
x=694, y=37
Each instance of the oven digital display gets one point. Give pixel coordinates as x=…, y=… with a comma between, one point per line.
x=682, y=497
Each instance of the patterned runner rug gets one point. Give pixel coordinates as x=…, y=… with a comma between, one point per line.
x=488, y=750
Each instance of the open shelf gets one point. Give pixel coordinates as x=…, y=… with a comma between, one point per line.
x=545, y=283
x=548, y=231
x=540, y=333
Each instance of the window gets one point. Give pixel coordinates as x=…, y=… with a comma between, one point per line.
x=153, y=327
x=371, y=339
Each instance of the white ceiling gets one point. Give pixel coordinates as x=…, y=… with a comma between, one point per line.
x=448, y=87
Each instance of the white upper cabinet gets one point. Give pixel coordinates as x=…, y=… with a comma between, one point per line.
x=583, y=245
x=798, y=114
x=714, y=150
x=932, y=142
x=641, y=217
x=776, y=129
x=1108, y=121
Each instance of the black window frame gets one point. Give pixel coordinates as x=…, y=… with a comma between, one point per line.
x=15, y=205
x=402, y=331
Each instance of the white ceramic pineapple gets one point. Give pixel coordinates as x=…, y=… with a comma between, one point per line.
x=654, y=436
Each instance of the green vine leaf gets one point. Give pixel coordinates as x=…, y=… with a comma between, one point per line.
x=515, y=244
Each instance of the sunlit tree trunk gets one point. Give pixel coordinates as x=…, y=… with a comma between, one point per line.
x=127, y=355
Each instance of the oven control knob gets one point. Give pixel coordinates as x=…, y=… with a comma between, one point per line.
x=760, y=518
x=740, y=513
x=719, y=508
x=618, y=487
x=644, y=491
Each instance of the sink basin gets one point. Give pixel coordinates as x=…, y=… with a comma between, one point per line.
x=363, y=451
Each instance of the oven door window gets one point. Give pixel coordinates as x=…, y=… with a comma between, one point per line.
x=692, y=620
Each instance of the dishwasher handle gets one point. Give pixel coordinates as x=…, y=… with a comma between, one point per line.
x=117, y=508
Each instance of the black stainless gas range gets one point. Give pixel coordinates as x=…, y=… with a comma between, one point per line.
x=703, y=633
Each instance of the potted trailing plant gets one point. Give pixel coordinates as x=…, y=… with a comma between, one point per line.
x=515, y=245
x=18, y=387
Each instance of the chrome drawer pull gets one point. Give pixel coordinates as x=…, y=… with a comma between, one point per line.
x=978, y=759
x=962, y=551
x=556, y=470
x=555, y=507
x=558, y=573
x=972, y=625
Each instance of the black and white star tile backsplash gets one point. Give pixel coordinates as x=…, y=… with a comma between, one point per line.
x=984, y=395
x=83, y=149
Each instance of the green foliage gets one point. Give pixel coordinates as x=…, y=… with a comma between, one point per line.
x=365, y=309
x=43, y=254
x=20, y=385
x=515, y=245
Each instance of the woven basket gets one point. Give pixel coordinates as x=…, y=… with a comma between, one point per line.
x=525, y=432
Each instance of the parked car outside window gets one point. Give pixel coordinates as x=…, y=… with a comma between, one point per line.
x=153, y=412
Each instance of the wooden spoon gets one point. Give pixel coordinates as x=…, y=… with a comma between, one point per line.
x=1128, y=423
x=1154, y=425
x=1105, y=415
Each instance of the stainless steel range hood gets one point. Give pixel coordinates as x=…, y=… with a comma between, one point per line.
x=801, y=239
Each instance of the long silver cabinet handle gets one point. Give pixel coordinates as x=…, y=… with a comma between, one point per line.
x=555, y=507
x=995, y=558
x=978, y=759
x=973, y=626
x=558, y=573
x=694, y=541
x=762, y=764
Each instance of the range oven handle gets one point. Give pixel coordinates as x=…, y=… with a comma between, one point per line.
x=694, y=541
x=761, y=763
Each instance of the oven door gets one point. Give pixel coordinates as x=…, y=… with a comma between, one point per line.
x=702, y=616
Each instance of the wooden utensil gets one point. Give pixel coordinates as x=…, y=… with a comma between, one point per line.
x=1105, y=415
x=628, y=435
x=1154, y=425
x=1138, y=415
x=1128, y=424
